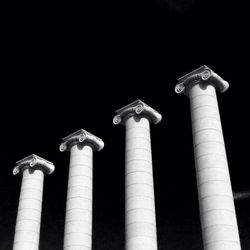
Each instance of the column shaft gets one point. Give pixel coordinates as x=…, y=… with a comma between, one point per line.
x=27, y=229
x=217, y=212
x=139, y=187
x=78, y=222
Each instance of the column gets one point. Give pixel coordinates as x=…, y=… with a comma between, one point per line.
x=28, y=220
x=217, y=212
x=140, y=221
x=78, y=221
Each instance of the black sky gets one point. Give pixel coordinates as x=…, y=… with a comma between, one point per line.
x=69, y=66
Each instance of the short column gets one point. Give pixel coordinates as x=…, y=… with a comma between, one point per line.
x=140, y=218
x=27, y=231
x=217, y=212
x=78, y=221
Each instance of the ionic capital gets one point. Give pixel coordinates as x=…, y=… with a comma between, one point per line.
x=81, y=137
x=201, y=75
x=137, y=108
x=34, y=162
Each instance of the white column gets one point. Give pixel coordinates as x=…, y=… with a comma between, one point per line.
x=217, y=212
x=27, y=231
x=78, y=221
x=140, y=221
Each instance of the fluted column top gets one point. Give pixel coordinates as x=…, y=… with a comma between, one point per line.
x=137, y=108
x=34, y=162
x=201, y=75
x=81, y=137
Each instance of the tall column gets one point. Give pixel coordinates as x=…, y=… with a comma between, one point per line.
x=78, y=221
x=217, y=212
x=28, y=220
x=140, y=219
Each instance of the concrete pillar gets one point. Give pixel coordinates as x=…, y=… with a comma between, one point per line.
x=217, y=212
x=27, y=230
x=140, y=221
x=78, y=221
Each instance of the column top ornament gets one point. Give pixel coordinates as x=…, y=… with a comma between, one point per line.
x=35, y=162
x=202, y=74
x=137, y=108
x=81, y=137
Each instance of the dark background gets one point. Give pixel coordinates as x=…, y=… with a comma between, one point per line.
x=70, y=66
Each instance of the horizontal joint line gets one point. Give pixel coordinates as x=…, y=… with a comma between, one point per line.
x=147, y=209
x=30, y=199
x=141, y=236
x=67, y=233
x=191, y=99
x=138, y=137
x=76, y=245
x=38, y=221
x=132, y=172
x=31, y=179
x=148, y=150
x=141, y=196
x=79, y=186
x=205, y=182
x=215, y=225
x=80, y=156
x=216, y=195
x=127, y=185
x=204, y=129
x=139, y=127
x=77, y=165
x=128, y=161
x=84, y=221
x=74, y=197
x=25, y=241
x=206, y=117
x=33, y=189
x=30, y=231
x=80, y=175
x=217, y=209
x=217, y=241
x=202, y=106
x=82, y=209
x=140, y=222
x=207, y=168
x=20, y=209
x=204, y=142
x=222, y=155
